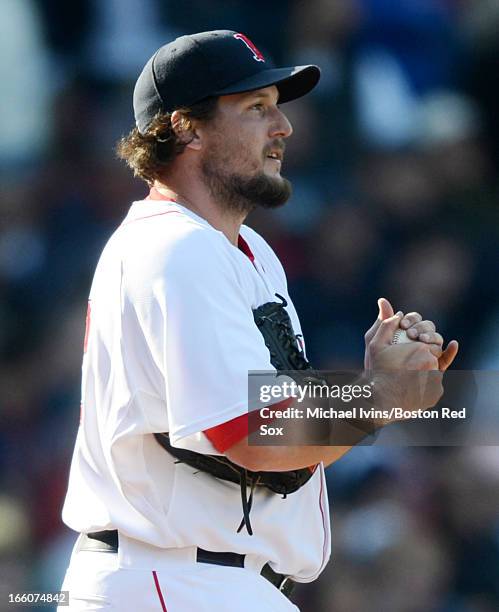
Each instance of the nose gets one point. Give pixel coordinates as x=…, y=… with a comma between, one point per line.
x=281, y=126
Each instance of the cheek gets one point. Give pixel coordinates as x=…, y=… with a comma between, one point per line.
x=250, y=152
x=238, y=153
x=244, y=156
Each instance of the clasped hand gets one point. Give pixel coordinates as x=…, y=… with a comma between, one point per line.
x=395, y=367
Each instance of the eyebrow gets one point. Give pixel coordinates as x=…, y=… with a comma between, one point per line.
x=257, y=94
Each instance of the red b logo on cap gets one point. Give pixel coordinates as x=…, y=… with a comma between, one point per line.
x=257, y=55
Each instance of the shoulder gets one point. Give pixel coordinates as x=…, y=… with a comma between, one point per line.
x=168, y=235
x=176, y=251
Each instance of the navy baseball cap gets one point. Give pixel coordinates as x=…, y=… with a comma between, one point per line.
x=217, y=63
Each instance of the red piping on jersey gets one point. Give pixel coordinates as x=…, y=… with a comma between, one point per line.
x=323, y=521
x=87, y=327
x=158, y=590
x=169, y=212
x=244, y=247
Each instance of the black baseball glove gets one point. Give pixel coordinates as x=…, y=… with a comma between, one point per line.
x=275, y=326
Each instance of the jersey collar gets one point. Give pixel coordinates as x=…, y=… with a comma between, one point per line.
x=157, y=196
x=154, y=204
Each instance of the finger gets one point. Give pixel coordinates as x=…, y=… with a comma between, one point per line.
x=386, y=329
x=385, y=312
x=410, y=319
x=427, y=337
x=435, y=349
x=385, y=309
x=448, y=355
x=422, y=327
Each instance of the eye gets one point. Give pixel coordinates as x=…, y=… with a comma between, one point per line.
x=258, y=107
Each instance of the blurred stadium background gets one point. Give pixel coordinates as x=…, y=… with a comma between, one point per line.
x=394, y=164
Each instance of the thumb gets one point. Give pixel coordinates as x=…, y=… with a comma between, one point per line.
x=448, y=355
x=385, y=309
x=385, y=312
x=384, y=333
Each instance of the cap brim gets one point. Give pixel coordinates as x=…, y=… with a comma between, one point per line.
x=292, y=82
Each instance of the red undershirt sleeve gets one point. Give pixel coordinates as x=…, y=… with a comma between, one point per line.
x=227, y=434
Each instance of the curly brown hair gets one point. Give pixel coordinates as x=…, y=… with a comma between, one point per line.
x=149, y=154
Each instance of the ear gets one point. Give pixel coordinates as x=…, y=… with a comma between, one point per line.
x=185, y=129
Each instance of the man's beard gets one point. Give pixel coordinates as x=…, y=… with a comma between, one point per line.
x=241, y=194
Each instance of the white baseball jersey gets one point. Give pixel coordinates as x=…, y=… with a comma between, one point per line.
x=170, y=340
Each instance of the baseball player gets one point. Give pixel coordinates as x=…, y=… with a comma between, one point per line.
x=185, y=302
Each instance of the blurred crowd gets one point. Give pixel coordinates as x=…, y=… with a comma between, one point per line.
x=394, y=164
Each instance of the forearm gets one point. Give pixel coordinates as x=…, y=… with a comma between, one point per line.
x=306, y=440
x=283, y=458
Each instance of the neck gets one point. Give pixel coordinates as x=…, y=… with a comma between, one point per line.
x=197, y=199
